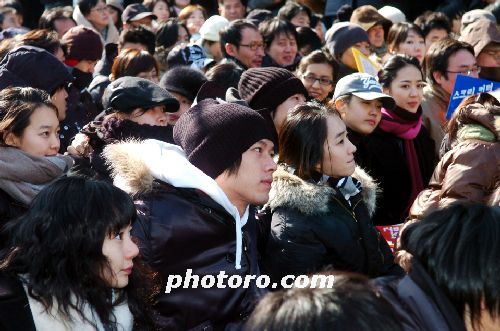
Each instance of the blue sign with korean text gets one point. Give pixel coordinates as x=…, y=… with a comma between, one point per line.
x=466, y=86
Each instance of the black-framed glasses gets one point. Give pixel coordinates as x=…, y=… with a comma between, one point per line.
x=322, y=80
x=254, y=46
x=467, y=72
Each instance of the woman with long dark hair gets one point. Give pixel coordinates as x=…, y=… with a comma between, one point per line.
x=71, y=262
x=399, y=153
x=320, y=212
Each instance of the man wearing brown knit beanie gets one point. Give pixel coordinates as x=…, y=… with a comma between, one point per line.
x=272, y=92
x=195, y=219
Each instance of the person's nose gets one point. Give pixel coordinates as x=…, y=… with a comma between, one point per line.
x=130, y=250
x=55, y=143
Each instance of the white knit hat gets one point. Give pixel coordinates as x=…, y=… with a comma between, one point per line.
x=393, y=14
x=210, y=29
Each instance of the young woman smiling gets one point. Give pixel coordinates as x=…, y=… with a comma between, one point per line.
x=29, y=142
x=406, y=38
x=317, y=72
x=399, y=153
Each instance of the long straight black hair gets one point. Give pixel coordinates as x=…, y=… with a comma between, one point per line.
x=58, y=243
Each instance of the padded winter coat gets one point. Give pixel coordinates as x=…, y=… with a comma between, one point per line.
x=313, y=227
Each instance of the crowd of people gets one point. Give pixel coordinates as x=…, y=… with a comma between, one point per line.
x=143, y=140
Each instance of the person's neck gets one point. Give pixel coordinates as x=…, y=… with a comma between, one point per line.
x=232, y=196
x=100, y=28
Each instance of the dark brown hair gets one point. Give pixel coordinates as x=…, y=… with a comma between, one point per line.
x=436, y=59
x=302, y=137
x=17, y=104
x=131, y=62
x=399, y=32
x=318, y=57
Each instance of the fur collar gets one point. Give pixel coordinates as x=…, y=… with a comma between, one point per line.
x=124, y=159
x=288, y=190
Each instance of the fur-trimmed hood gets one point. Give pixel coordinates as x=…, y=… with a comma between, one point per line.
x=290, y=191
x=134, y=166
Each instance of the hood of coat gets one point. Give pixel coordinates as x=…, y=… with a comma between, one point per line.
x=134, y=165
x=112, y=33
x=476, y=113
x=290, y=191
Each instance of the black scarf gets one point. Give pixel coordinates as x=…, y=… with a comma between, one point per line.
x=114, y=129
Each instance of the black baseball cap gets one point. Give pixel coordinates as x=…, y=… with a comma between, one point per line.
x=135, y=12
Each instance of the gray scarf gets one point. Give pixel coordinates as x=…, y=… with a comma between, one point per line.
x=23, y=175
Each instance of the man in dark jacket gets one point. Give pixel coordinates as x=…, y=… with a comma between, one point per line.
x=242, y=43
x=195, y=221
x=454, y=276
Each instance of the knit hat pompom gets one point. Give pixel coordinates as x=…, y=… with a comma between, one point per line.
x=214, y=135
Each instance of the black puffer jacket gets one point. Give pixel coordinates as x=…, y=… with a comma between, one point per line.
x=313, y=227
x=184, y=228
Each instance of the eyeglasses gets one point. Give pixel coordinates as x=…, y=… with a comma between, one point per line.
x=254, y=46
x=322, y=80
x=467, y=72
x=100, y=10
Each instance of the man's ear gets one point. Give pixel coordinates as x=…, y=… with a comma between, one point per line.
x=438, y=77
x=230, y=49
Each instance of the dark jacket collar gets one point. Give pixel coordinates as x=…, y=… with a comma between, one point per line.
x=430, y=288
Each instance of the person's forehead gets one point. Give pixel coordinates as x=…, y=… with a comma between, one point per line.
x=413, y=34
x=284, y=36
x=231, y=2
x=250, y=33
x=376, y=27
x=461, y=58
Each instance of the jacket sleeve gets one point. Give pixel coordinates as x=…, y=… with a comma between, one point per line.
x=472, y=174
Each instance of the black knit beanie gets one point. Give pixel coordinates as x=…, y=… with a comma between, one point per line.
x=183, y=80
x=267, y=88
x=214, y=135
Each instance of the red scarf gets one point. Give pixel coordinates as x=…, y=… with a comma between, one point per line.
x=406, y=125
